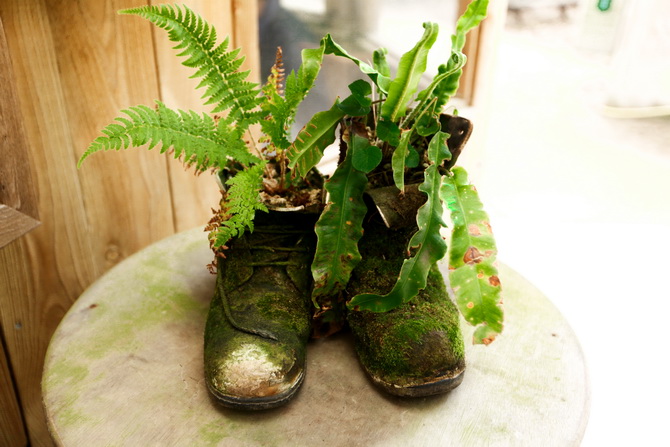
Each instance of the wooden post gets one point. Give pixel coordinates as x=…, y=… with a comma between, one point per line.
x=12, y=432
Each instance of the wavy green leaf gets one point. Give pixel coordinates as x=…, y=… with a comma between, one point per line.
x=472, y=272
x=446, y=83
x=410, y=69
x=380, y=63
x=426, y=246
x=352, y=107
x=359, y=102
x=471, y=18
x=413, y=158
x=428, y=124
x=338, y=230
x=399, y=158
x=381, y=81
x=307, y=149
x=361, y=91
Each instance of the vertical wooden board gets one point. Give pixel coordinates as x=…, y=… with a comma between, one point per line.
x=28, y=319
x=75, y=64
x=193, y=197
x=487, y=44
x=106, y=63
x=245, y=22
x=466, y=89
x=11, y=423
x=471, y=50
x=479, y=85
x=43, y=272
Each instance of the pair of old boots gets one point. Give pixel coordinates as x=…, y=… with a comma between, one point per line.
x=259, y=320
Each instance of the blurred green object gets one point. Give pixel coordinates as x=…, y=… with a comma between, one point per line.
x=604, y=5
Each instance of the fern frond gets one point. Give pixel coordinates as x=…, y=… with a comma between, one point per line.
x=281, y=107
x=225, y=86
x=198, y=139
x=275, y=110
x=277, y=74
x=238, y=207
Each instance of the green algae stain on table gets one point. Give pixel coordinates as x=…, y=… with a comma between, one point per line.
x=125, y=368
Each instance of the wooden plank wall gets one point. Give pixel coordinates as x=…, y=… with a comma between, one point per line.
x=77, y=63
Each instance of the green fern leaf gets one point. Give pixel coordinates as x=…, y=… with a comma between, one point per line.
x=280, y=110
x=410, y=69
x=338, y=230
x=380, y=63
x=198, y=139
x=471, y=18
x=225, y=86
x=300, y=83
x=380, y=79
x=307, y=149
x=472, y=272
x=398, y=159
x=446, y=83
x=240, y=204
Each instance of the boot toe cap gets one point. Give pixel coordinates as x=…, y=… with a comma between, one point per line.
x=251, y=377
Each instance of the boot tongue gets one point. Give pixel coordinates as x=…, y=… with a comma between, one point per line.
x=397, y=210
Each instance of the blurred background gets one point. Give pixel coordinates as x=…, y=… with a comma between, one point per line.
x=571, y=154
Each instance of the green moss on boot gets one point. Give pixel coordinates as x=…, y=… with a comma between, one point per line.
x=416, y=349
x=259, y=319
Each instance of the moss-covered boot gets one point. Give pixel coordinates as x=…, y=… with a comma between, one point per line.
x=416, y=349
x=259, y=319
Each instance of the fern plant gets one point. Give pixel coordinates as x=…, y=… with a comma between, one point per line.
x=218, y=141
x=391, y=135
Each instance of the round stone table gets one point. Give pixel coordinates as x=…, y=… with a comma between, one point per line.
x=125, y=368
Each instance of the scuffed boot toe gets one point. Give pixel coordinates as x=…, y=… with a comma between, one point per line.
x=256, y=375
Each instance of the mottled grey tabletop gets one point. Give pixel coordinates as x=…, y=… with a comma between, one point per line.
x=125, y=368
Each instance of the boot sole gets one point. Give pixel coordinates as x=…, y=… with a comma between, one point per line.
x=437, y=385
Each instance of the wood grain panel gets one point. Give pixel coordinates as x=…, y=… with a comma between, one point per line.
x=12, y=433
x=245, y=34
x=26, y=330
